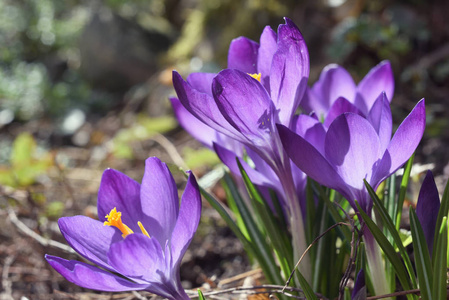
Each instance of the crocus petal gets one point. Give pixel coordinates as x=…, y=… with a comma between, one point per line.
x=196, y=128
x=340, y=106
x=229, y=159
x=119, y=191
x=139, y=257
x=242, y=55
x=334, y=82
x=245, y=104
x=381, y=119
x=427, y=208
x=311, y=130
x=159, y=198
x=268, y=46
x=202, y=106
x=91, y=277
x=359, y=292
x=352, y=146
x=379, y=79
x=309, y=159
x=89, y=237
x=403, y=144
x=289, y=71
x=201, y=82
x=188, y=219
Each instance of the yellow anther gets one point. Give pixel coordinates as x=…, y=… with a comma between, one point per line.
x=144, y=231
x=256, y=76
x=115, y=219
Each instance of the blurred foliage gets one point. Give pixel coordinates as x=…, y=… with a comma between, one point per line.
x=200, y=158
x=26, y=162
x=36, y=36
x=41, y=50
x=143, y=129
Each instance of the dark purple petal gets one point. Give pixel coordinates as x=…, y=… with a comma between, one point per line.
x=89, y=237
x=353, y=147
x=289, y=71
x=200, y=131
x=242, y=55
x=311, y=130
x=139, y=257
x=379, y=79
x=334, y=82
x=91, y=277
x=359, y=291
x=202, y=106
x=403, y=143
x=160, y=202
x=188, y=219
x=245, y=104
x=340, y=106
x=120, y=191
x=202, y=82
x=381, y=119
x=427, y=208
x=309, y=159
x=268, y=46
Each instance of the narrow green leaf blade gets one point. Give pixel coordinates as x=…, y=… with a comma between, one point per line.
x=200, y=295
x=443, y=212
x=388, y=249
x=439, y=267
x=403, y=189
x=262, y=251
x=270, y=224
x=388, y=223
x=422, y=257
x=308, y=292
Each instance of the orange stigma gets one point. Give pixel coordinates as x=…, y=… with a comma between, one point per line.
x=256, y=76
x=115, y=219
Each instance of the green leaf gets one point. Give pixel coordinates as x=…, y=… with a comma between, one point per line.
x=422, y=257
x=280, y=242
x=308, y=292
x=195, y=158
x=388, y=250
x=402, y=190
x=22, y=150
x=229, y=185
x=388, y=223
x=440, y=263
x=259, y=247
x=200, y=295
x=443, y=212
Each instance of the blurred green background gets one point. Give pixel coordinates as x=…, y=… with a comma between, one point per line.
x=66, y=65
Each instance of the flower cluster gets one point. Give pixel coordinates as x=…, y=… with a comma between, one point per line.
x=248, y=114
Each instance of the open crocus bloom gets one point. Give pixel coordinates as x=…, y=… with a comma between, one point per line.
x=335, y=82
x=142, y=234
x=261, y=87
x=352, y=150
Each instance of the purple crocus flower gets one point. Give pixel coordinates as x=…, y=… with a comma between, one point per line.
x=427, y=208
x=359, y=291
x=335, y=82
x=142, y=234
x=354, y=150
x=262, y=87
